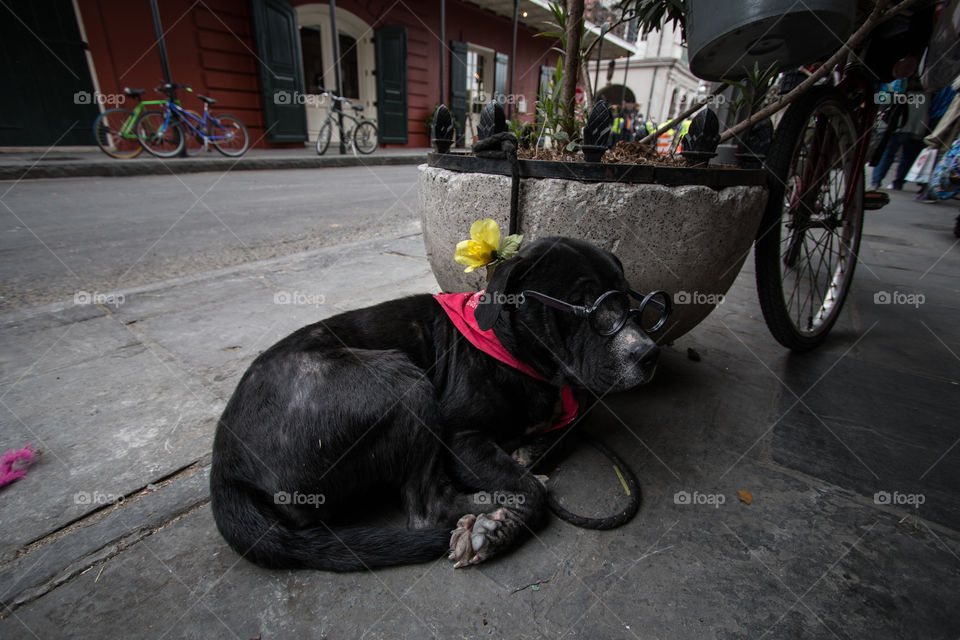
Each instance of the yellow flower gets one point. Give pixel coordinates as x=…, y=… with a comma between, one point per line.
x=481, y=249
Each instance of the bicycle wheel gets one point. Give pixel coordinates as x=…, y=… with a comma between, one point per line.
x=323, y=138
x=807, y=245
x=158, y=135
x=114, y=136
x=365, y=137
x=229, y=135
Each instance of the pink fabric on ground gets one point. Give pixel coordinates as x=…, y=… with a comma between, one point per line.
x=14, y=463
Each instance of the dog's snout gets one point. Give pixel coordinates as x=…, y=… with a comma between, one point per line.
x=645, y=355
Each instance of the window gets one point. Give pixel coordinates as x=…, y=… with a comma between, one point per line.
x=310, y=44
x=476, y=93
x=349, y=68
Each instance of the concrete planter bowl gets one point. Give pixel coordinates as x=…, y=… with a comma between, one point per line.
x=684, y=230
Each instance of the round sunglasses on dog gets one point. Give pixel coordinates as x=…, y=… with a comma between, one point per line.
x=612, y=309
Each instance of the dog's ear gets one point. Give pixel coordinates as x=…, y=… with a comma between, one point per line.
x=492, y=302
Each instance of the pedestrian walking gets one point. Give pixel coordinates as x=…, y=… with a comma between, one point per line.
x=909, y=123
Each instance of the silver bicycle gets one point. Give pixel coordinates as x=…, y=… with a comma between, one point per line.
x=362, y=135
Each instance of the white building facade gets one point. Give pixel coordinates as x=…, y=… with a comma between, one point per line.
x=658, y=80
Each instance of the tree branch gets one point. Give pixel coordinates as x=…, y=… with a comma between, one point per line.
x=571, y=64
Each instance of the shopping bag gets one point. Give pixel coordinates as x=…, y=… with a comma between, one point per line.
x=923, y=166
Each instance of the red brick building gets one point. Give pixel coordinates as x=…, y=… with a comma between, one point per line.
x=265, y=61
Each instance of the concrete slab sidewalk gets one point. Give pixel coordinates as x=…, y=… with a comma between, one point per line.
x=54, y=163
x=850, y=454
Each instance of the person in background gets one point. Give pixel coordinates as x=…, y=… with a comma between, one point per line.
x=939, y=105
x=942, y=134
x=911, y=123
x=616, y=128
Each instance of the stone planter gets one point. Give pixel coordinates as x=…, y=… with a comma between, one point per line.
x=683, y=230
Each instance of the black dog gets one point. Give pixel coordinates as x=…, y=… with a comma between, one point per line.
x=392, y=400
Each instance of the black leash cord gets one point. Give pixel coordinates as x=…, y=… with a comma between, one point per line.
x=503, y=146
x=610, y=522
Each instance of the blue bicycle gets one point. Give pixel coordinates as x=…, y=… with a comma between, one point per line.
x=167, y=132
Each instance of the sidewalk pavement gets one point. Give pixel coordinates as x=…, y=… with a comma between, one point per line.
x=90, y=161
x=850, y=454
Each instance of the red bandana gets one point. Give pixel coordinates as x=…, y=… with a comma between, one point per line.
x=460, y=307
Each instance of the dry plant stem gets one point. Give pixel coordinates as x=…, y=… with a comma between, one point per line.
x=877, y=16
x=624, y=18
x=571, y=64
x=680, y=118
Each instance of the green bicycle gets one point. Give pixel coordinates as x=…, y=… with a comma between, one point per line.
x=115, y=130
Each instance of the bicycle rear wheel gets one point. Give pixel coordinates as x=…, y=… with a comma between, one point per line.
x=323, y=138
x=114, y=136
x=159, y=135
x=365, y=137
x=807, y=245
x=230, y=136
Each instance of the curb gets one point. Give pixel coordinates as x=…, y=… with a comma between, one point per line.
x=144, y=167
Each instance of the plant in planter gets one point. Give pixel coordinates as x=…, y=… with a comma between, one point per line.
x=753, y=91
x=685, y=230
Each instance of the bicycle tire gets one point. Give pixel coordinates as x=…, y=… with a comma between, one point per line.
x=366, y=137
x=162, y=142
x=239, y=140
x=323, y=138
x=799, y=212
x=107, y=132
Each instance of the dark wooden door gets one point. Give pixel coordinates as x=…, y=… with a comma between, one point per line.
x=281, y=70
x=392, y=84
x=47, y=92
x=458, y=87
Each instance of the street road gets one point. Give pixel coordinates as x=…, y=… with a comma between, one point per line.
x=102, y=234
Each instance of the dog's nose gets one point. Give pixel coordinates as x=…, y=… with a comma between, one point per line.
x=645, y=355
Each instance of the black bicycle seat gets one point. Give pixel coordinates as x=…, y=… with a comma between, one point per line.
x=206, y=99
x=357, y=107
x=136, y=93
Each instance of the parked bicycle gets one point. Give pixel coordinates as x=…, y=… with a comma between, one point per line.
x=115, y=129
x=166, y=132
x=362, y=136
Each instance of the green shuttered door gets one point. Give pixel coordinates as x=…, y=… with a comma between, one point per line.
x=392, y=84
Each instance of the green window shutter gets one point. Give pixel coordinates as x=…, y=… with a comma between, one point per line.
x=458, y=86
x=281, y=70
x=500, y=78
x=392, y=84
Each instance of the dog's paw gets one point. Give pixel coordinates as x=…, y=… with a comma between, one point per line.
x=523, y=456
x=476, y=538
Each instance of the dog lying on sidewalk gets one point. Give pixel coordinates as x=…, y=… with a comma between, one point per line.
x=392, y=400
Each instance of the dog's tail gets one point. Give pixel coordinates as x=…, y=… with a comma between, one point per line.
x=269, y=542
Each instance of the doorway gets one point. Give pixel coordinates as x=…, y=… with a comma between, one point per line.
x=357, y=63
x=48, y=93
